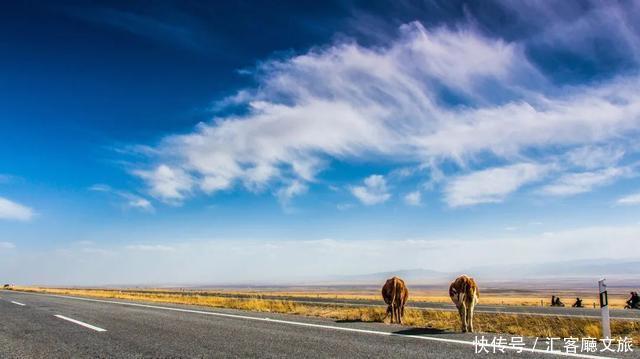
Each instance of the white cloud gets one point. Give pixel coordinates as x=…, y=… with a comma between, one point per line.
x=131, y=200
x=582, y=36
x=373, y=192
x=99, y=251
x=592, y=157
x=7, y=245
x=100, y=187
x=352, y=103
x=296, y=188
x=491, y=185
x=270, y=261
x=150, y=247
x=575, y=183
x=139, y=202
x=413, y=198
x=14, y=211
x=169, y=184
x=632, y=199
x=344, y=206
x=84, y=243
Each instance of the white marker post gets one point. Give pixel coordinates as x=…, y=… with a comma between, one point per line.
x=604, y=309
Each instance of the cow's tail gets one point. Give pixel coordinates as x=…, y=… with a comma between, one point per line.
x=394, y=295
x=471, y=291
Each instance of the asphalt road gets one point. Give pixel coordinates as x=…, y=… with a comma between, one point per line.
x=587, y=312
x=47, y=326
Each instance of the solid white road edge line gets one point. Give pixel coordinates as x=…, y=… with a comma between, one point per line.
x=354, y=330
x=80, y=323
x=20, y=304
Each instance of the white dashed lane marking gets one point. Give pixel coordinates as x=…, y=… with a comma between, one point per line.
x=93, y=327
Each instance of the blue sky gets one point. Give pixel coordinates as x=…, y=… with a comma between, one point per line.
x=238, y=141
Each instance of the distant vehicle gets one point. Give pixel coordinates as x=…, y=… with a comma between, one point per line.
x=555, y=301
x=578, y=303
x=633, y=302
x=7, y=286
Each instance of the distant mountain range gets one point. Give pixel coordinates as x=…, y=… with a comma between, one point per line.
x=575, y=268
x=586, y=271
x=413, y=275
x=576, y=273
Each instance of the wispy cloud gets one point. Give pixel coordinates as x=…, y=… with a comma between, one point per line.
x=225, y=261
x=150, y=247
x=630, y=200
x=592, y=157
x=582, y=29
x=172, y=184
x=492, y=185
x=295, y=188
x=14, y=211
x=353, y=103
x=7, y=245
x=100, y=187
x=130, y=200
x=344, y=206
x=139, y=202
x=84, y=243
x=374, y=191
x=575, y=183
x=166, y=28
x=413, y=198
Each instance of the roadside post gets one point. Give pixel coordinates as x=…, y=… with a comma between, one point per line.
x=604, y=308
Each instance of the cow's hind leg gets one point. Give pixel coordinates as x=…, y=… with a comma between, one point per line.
x=462, y=309
x=470, y=317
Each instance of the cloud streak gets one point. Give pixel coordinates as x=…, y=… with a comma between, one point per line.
x=575, y=183
x=226, y=261
x=286, y=194
x=629, y=200
x=177, y=29
x=171, y=184
x=351, y=103
x=7, y=245
x=10, y=210
x=492, y=185
x=130, y=200
x=374, y=191
x=413, y=198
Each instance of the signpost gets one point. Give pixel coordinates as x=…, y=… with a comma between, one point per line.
x=604, y=308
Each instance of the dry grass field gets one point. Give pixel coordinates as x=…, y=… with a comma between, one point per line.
x=525, y=325
x=498, y=297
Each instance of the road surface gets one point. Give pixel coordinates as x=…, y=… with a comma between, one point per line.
x=48, y=326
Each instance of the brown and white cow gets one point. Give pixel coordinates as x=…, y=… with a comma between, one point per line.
x=464, y=293
x=395, y=294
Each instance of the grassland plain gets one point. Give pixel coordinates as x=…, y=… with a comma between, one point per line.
x=489, y=297
x=524, y=325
